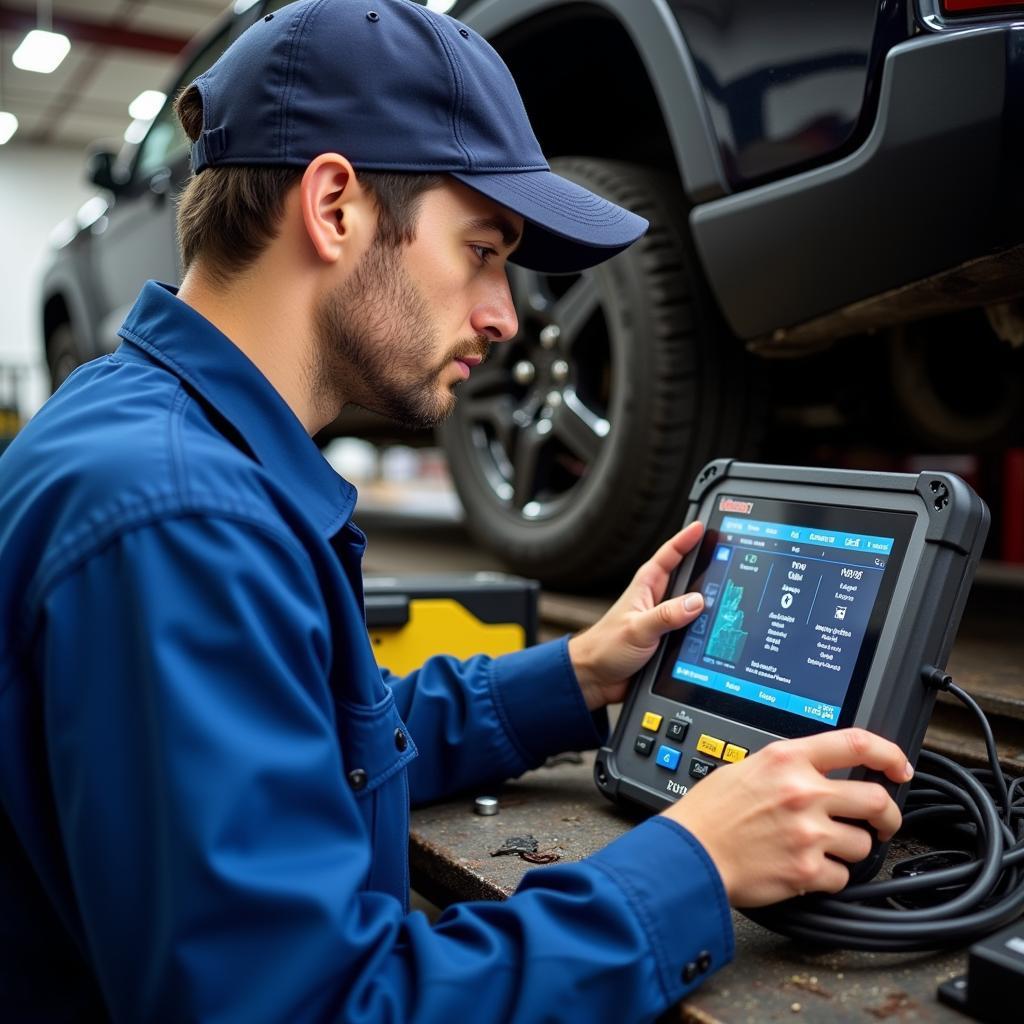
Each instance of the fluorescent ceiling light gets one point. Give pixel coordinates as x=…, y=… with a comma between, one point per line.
x=241, y=6
x=8, y=126
x=146, y=105
x=136, y=131
x=90, y=211
x=41, y=51
x=440, y=6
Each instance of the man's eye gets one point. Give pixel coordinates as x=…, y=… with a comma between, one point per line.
x=483, y=253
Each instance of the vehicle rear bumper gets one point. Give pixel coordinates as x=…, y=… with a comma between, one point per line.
x=937, y=182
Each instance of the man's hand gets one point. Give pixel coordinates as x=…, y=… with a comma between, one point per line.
x=622, y=641
x=768, y=822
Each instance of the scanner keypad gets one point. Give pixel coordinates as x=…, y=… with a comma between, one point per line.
x=710, y=750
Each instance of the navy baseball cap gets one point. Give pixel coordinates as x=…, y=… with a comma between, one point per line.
x=396, y=87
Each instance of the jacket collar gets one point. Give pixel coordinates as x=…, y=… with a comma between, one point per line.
x=187, y=344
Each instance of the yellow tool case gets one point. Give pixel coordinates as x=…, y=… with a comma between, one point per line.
x=410, y=618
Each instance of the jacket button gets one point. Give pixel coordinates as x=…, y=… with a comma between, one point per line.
x=689, y=972
x=357, y=779
x=400, y=739
x=703, y=961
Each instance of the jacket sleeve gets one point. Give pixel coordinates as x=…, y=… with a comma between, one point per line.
x=485, y=720
x=219, y=860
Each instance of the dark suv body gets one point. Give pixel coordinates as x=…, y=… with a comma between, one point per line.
x=835, y=194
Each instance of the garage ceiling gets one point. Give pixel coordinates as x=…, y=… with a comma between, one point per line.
x=118, y=49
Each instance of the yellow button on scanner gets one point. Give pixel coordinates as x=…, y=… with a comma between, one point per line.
x=709, y=745
x=734, y=753
x=651, y=721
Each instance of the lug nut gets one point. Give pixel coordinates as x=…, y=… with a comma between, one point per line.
x=559, y=370
x=549, y=336
x=523, y=372
x=554, y=399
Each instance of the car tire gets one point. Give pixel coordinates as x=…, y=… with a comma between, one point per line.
x=573, y=447
x=945, y=402
x=62, y=354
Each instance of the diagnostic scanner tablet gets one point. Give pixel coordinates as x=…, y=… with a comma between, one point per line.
x=828, y=594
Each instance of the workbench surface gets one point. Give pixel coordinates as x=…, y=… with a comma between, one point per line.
x=771, y=978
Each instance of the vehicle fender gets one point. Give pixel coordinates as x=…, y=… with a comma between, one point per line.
x=61, y=281
x=663, y=50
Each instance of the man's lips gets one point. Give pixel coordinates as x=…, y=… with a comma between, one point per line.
x=466, y=363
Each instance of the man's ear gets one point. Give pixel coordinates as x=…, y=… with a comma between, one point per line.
x=335, y=209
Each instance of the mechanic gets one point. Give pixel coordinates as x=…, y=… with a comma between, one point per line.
x=204, y=776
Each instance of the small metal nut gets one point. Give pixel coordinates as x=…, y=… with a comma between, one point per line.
x=486, y=805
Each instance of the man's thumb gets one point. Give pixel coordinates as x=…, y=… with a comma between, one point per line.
x=673, y=614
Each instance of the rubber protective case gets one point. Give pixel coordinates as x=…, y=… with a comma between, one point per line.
x=928, y=597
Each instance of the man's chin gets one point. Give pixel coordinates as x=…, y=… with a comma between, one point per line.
x=413, y=418
x=428, y=419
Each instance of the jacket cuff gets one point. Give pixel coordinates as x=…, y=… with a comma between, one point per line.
x=541, y=705
x=677, y=893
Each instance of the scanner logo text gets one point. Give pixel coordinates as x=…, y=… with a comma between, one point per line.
x=735, y=505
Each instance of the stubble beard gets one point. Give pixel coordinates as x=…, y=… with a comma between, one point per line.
x=375, y=345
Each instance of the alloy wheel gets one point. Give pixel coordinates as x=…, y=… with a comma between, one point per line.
x=537, y=410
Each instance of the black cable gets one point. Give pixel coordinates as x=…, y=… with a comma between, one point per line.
x=990, y=742
x=935, y=907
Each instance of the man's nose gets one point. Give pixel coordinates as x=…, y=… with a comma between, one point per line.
x=496, y=318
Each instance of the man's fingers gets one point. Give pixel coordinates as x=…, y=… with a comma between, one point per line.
x=832, y=877
x=866, y=801
x=672, y=552
x=849, y=843
x=850, y=747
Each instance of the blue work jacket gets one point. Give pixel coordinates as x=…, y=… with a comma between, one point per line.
x=205, y=777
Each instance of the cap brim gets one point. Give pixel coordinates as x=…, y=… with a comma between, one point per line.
x=568, y=228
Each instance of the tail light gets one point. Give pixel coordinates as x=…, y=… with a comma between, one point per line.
x=979, y=6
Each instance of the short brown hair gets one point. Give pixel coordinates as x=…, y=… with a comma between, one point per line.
x=227, y=216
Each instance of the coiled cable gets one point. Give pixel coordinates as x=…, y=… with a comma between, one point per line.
x=936, y=900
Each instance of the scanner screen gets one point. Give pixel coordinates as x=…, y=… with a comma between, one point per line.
x=794, y=597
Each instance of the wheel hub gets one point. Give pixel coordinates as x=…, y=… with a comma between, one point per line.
x=545, y=374
x=534, y=430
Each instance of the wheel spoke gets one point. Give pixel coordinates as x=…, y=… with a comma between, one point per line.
x=496, y=411
x=572, y=311
x=527, y=466
x=579, y=428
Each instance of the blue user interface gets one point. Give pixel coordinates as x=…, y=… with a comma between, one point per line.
x=787, y=608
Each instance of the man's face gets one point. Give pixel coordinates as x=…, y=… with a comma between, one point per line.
x=408, y=324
